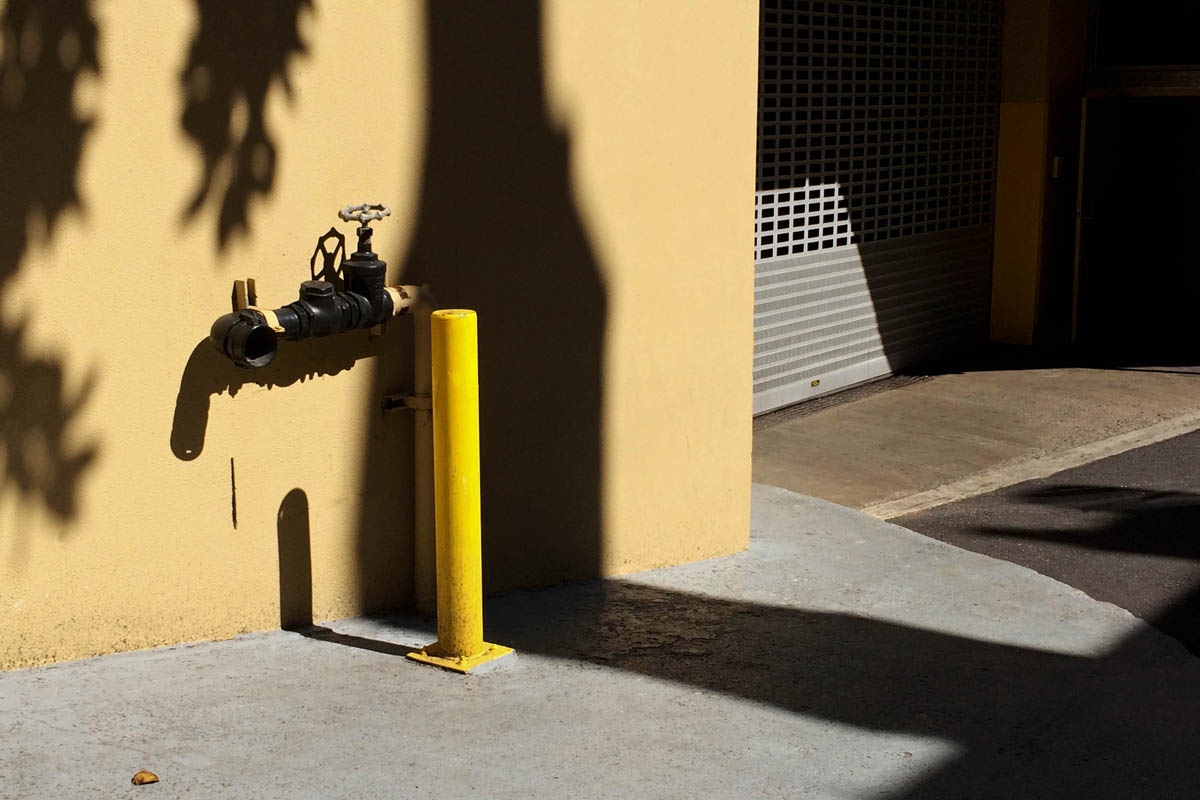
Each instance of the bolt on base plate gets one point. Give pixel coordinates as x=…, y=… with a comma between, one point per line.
x=462, y=664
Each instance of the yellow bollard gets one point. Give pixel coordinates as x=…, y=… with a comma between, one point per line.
x=460, y=645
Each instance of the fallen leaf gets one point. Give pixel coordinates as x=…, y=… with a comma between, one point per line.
x=143, y=777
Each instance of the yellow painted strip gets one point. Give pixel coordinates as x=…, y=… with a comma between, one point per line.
x=402, y=300
x=270, y=316
x=1034, y=468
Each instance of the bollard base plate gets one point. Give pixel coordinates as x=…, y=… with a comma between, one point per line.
x=461, y=664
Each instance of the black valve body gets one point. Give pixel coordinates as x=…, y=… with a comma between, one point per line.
x=365, y=276
x=249, y=340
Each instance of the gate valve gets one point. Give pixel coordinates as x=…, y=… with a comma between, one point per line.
x=364, y=215
x=363, y=271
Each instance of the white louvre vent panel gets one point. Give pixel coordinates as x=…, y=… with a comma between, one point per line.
x=875, y=184
x=818, y=318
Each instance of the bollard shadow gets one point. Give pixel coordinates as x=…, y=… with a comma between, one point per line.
x=295, y=581
x=323, y=634
x=293, y=537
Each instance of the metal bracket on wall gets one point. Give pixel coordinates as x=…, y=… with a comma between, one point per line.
x=244, y=294
x=407, y=402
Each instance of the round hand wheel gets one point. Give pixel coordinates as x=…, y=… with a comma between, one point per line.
x=362, y=214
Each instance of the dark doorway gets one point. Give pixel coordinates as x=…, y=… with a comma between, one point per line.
x=1139, y=275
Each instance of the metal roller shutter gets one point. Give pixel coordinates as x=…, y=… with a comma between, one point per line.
x=876, y=175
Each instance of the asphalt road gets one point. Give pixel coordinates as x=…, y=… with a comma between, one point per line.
x=1125, y=530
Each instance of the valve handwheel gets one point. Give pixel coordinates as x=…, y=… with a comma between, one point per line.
x=365, y=213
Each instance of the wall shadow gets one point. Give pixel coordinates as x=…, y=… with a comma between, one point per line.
x=48, y=48
x=238, y=53
x=383, y=537
x=1032, y=723
x=998, y=357
x=497, y=231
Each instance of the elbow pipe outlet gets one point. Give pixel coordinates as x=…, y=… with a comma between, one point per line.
x=245, y=338
x=250, y=337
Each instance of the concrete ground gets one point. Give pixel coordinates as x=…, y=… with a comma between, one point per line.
x=1123, y=529
x=841, y=657
x=994, y=415
x=1083, y=471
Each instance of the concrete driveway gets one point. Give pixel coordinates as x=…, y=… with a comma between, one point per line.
x=1087, y=474
x=988, y=421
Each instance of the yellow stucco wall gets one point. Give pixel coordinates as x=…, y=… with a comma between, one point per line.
x=1042, y=76
x=1020, y=208
x=1020, y=167
x=581, y=173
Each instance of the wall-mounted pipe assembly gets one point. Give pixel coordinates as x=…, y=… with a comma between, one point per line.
x=250, y=338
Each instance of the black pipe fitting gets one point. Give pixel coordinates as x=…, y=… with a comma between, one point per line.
x=364, y=272
x=250, y=337
x=245, y=338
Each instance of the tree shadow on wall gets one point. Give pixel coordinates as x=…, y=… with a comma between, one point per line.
x=238, y=54
x=47, y=49
x=498, y=232
x=239, y=51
